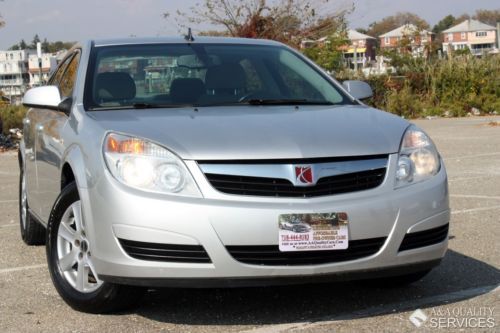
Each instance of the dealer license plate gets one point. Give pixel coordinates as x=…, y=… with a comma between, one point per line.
x=313, y=232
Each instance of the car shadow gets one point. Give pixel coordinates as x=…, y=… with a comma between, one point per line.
x=277, y=305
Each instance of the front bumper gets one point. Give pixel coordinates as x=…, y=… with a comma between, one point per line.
x=114, y=211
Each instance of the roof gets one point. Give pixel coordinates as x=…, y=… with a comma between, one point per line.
x=176, y=40
x=353, y=35
x=469, y=26
x=405, y=30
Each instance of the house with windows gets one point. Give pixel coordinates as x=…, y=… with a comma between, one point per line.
x=407, y=38
x=357, y=54
x=41, y=69
x=14, y=73
x=471, y=34
x=361, y=49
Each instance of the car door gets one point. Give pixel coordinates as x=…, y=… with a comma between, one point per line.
x=51, y=146
x=33, y=123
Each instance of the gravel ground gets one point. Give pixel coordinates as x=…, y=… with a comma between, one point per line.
x=467, y=280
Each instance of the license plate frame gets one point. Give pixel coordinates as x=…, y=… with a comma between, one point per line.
x=313, y=231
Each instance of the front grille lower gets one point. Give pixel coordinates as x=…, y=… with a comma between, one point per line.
x=424, y=238
x=270, y=255
x=165, y=252
x=277, y=187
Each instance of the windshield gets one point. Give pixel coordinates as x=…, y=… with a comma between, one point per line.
x=173, y=75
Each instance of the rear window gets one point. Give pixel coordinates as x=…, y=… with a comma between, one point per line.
x=174, y=75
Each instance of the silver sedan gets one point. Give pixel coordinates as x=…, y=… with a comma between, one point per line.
x=173, y=162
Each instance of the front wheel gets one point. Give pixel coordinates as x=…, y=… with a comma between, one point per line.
x=71, y=265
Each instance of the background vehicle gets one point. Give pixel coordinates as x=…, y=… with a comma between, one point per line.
x=167, y=162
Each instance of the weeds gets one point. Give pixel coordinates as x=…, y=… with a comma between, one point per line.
x=444, y=87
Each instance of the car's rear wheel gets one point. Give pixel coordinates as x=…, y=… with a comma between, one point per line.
x=71, y=264
x=32, y=232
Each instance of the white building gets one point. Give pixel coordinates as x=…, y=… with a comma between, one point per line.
x=476, y=36
x=48, y=64
x=14, y=75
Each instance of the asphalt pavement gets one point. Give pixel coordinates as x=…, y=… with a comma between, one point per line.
x=461, y=294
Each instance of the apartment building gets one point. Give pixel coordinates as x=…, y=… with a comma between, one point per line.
x=407, y=38
x=470, y=34
x=39, y=75
x=14, y=73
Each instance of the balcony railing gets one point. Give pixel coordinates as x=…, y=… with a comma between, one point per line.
x=479, y=51
x=11, y=83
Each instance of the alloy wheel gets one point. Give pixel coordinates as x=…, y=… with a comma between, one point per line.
x=73, y=251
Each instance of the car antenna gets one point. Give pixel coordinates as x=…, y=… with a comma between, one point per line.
x=189, y=37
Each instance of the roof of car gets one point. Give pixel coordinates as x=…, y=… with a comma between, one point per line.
x=177, y=40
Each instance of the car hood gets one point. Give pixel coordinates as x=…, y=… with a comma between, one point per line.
x=262, y=132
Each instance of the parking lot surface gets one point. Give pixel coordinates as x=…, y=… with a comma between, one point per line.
x=467, y=280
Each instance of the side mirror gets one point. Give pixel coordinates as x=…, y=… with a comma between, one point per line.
x=358, y=89
x=47, y=97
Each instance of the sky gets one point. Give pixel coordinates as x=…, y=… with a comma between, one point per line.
x=78, y=20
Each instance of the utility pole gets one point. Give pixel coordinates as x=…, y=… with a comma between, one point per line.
x=39, y=54
x=355, y=56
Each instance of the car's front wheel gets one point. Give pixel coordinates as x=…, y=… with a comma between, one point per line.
x=71, y=265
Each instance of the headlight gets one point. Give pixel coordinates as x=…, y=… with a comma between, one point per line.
x=418, y=158
x=146, y=166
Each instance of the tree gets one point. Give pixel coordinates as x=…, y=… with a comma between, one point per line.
x=461, y=18
x=445, y=23
x=328, y=54
x=288, y=21
x=23, y=45
x=35, y=40
x=2, y=22
x=490, y=17
x=45, y=45
x=389, y=23
x=362, y=30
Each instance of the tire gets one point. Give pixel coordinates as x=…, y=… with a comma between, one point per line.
x=398, y=280
x=32, y=232
x=70, y=262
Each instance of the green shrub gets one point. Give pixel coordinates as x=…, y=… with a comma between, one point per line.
x=11, y=116
x=438, y=87
x=404, y=103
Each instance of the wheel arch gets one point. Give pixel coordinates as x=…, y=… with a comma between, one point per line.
x=73, y=168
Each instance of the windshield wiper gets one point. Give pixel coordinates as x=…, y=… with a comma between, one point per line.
x=143, y=105
x=286, y=102
x=159, y=106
